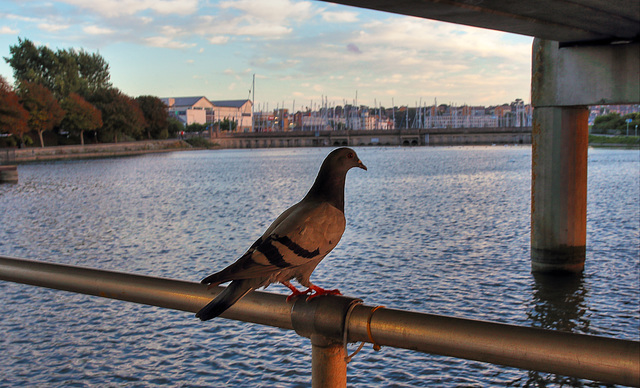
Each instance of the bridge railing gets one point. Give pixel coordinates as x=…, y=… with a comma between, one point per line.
x=330, y=322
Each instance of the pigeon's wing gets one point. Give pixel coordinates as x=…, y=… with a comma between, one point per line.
x=305, y=232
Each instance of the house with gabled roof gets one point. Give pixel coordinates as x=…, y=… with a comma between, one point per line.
x=238, y=111
x=199, y=109
x=190, y=110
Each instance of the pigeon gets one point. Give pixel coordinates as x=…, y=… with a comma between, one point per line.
x=294, y=244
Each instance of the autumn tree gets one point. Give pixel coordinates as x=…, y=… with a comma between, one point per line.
x=80, y=115
x=121, y=114
x=13, y=117
x=44, y=110
x=156, y=117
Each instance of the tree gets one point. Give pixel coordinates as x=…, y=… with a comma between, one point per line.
x=609, y=121
x=156, y=117
x=32, y=64
x=227, y=125
x=175, y=126
x=94, y=71
x=13, y=117
x=80, y=115
x=63, y=71
x=44, y=111
x=121, y=115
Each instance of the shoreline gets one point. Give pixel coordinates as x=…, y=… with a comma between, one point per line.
x=35, y=154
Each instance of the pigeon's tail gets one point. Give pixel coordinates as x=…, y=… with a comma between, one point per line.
x=230, y=295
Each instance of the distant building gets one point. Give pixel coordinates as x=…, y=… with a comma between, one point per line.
x=190, y=110
x=200, y=110
x=238, y=111
x=622, y=110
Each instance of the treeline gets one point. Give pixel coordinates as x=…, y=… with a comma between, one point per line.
x=613, y=123
x=69, y=93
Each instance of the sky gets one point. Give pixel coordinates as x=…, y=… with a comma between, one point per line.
x=301, y=52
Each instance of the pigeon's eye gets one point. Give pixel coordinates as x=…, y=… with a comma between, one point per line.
x=350, y=155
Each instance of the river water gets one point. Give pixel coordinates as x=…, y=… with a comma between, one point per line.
x=437, y=230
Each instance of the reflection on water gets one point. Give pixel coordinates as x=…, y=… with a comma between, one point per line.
x=438, y=230
x=558, y=304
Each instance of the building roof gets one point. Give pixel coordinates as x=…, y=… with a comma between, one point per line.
x=183, y=101
x=230, y=103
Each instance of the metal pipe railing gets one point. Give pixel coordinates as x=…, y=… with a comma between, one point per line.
x=325, y=319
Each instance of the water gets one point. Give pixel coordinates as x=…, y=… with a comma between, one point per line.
x=437, y=230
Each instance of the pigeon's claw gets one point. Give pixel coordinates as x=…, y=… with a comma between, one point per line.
x=294, y=291
x=321, y=291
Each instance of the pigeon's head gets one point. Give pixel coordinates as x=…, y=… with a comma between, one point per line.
x=343, y=159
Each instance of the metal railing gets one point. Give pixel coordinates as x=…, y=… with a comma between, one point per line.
x=325, y=320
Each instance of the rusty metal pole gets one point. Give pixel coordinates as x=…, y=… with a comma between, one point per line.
x=328, y=365
x=323, y=321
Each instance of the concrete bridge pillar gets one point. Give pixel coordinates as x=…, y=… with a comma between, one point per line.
x=565, y=80
x=559, y=189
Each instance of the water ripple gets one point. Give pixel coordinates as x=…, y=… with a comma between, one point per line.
x=438, y=230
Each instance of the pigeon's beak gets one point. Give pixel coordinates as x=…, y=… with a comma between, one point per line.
x=361, y=165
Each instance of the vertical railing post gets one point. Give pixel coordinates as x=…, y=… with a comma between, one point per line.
x=323, y=321
x=328, y=363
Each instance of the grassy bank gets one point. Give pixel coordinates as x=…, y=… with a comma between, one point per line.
x=614, y=141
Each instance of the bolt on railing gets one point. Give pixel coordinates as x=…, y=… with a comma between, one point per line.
x=324, y=320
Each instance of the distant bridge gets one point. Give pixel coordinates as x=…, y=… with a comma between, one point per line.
x=398, y=137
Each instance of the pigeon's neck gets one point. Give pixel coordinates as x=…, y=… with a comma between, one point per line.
x=329, y=188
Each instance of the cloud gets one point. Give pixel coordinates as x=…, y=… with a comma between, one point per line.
x=220, y=39
x=116, y=8
x=274, y=11
x=339, y=17
x=352, y=48
x=255, y=18
x=4, y=30
x=165, y=42
x=95, y=30
x=52, y=27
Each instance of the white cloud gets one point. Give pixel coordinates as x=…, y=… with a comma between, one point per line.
x=220, y=39
x=116, y=8
x=95, y=30
x=165, y=42
x=339, y=17
x=49, y=27
x=273, y=11
x=8, y=31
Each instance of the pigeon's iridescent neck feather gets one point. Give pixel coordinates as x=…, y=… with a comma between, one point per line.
x=329, y=187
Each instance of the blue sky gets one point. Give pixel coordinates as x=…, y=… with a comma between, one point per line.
x=299, y=51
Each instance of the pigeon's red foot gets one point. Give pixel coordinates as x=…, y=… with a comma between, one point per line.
x=294, y=291
x=321, y=291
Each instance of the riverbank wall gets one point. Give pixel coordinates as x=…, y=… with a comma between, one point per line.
x=35, y=154
x=403, y=137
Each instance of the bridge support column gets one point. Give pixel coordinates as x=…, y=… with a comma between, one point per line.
x=565, y=80
x=559, y=189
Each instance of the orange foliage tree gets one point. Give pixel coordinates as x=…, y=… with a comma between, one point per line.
x=44, y=110
x=13, y=117
x=80, y=115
